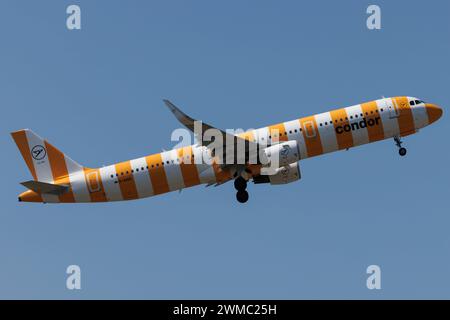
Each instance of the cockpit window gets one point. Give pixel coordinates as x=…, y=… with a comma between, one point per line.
x=417, y=102
x=412, y=102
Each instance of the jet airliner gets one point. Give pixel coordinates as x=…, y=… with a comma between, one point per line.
x=59, y=179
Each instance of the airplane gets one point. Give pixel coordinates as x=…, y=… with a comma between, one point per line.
x=59, y=179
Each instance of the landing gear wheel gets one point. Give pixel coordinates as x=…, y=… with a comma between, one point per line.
x=398, y=143
x=242, y=196
x=240, y=184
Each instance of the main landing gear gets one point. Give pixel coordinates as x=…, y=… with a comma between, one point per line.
x=398, y=143
x=240, y=184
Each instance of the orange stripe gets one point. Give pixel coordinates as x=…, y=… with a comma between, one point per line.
x=67, y=197
x=376, y=132
x=157, y=174
x=405, y=119
x=98, y=196
x=188, y=168
x=278, y=133
x=21, y=140
x=340, y=119
x=126, y=181
x=247, y=136
x=221, y=175
x=59, y=171
x=313, y=144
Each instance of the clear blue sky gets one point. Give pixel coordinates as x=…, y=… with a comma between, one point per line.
x=96, y=94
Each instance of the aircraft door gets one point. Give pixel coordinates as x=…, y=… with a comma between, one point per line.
x=393, y=109
x=93, y=182
x=310, y=131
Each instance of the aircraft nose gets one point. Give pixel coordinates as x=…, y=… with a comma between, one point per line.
x=434, y=112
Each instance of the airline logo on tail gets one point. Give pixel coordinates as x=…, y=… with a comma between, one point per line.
x=38, y=152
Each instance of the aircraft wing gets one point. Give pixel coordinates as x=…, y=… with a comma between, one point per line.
x=236, y=142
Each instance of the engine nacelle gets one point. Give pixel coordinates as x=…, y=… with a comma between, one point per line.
x=283, y=175
x=282, y=154
x=286, y=174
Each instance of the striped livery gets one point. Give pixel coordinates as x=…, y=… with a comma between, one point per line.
x=177, y=169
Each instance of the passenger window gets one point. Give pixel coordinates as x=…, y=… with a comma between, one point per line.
x=417, y=101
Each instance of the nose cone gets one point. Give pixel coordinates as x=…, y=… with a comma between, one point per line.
x=434, y=112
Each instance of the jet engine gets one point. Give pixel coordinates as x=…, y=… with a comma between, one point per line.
x=286, y=174
x=282, y=175
x=282, y=154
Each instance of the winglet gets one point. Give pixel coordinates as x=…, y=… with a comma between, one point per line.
x=180, y=115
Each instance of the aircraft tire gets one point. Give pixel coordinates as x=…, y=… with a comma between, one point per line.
x=240, y=184
x=242, y=196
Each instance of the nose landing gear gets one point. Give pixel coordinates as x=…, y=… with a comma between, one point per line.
x=240, y=184
x=398, y=143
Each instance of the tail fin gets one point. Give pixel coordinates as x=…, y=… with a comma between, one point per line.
x=45, y=162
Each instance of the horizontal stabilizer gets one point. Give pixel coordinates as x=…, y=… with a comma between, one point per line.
x=43, y=187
